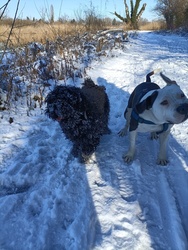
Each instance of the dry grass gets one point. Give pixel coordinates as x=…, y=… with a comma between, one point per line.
x=157, y=25
x=31, y=69
x=60, y=49
x=38, y=32
x=23, y=33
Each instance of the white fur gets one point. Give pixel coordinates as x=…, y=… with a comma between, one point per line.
x=159, y=114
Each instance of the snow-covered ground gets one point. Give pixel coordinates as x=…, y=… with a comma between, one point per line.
x=48, y=200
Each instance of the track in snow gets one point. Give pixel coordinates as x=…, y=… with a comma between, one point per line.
x=50, y=201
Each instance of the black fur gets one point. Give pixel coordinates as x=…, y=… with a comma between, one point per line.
x=139, y=92
x=135, y=97
x=147, y=103
x=82, y=114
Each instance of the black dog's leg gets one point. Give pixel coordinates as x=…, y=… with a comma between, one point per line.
x=89, y=147
x=75, y=150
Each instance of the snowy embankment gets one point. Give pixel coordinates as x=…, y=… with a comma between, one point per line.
x=48, y=200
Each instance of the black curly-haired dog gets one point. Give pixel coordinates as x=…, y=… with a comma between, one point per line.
x=82, y=114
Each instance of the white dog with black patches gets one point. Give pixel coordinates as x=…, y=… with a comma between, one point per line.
x=154, y=109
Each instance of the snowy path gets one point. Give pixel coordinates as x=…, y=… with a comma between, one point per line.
x=50, y=201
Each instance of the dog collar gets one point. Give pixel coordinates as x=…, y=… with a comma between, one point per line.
x=139, y=119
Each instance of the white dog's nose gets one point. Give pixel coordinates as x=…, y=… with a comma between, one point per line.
x=183, y=109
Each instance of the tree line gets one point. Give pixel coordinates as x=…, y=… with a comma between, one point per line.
x=174, y=12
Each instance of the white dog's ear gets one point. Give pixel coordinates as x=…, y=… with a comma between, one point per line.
x=167, y=80
x=147, y=103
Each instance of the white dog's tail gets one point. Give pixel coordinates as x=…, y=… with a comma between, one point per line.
x=148, y=79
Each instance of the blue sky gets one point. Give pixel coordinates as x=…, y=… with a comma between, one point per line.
x=71, y=8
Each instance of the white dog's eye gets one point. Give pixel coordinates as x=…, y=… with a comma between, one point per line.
x=165, y=102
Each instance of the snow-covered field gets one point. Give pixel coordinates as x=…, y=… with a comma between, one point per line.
x=50, y=201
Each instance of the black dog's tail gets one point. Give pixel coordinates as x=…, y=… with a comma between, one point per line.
x=148, y=79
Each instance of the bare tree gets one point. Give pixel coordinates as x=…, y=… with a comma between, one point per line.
x=180, y=13
x=173, y=11
x=12, y=26
x=3, y=8
x=51, y=13
x=132, y=16
x=186, y=17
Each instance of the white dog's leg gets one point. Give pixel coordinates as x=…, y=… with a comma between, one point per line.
x=128, y=157
x=162, y=157
x=123, y=131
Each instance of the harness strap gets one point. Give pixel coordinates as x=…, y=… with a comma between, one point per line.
x=165, y=128
x=142, y=120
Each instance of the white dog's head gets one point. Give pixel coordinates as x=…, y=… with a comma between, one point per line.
x=165, y=105
x=171, y=104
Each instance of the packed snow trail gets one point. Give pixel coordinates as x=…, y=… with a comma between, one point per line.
x=48, y=200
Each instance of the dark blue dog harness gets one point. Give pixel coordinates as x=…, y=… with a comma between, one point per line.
x=139, y=119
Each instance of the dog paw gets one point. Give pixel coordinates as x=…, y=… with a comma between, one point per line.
x=127, y=158
x=84, y=158
x=154, y=136
x=122, y=132
x=162, y=162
